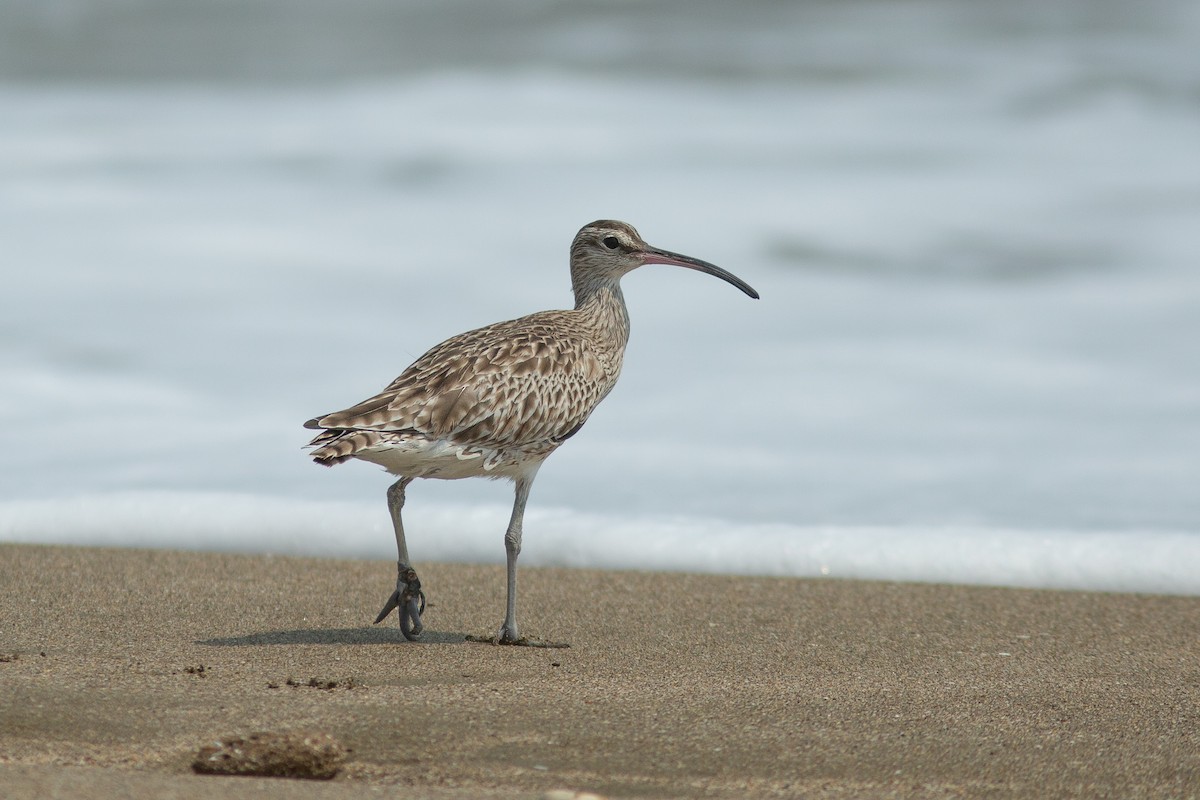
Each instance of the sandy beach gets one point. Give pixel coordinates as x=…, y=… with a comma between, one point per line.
x=116, y=666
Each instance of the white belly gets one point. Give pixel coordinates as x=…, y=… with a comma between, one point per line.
x=417, y=457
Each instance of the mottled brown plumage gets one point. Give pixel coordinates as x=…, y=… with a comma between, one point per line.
x=496, y=401
x=528, y=383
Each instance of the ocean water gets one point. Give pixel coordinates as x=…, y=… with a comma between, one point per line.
x=974, y=228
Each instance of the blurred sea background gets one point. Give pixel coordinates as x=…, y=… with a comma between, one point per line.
x=975, y=227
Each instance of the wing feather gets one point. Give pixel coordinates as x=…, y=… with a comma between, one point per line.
x=521, y=382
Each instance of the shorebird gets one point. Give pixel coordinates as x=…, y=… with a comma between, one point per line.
x=495, y=402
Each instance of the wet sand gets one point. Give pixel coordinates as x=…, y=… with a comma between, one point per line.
x=116, y=666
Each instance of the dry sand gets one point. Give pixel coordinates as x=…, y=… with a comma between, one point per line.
x=674, y=685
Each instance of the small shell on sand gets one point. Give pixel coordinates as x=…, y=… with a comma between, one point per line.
x=276, y=755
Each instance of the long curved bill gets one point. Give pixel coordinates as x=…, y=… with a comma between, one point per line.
x=652, y=255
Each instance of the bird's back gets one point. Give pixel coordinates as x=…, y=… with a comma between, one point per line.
x=520, y=386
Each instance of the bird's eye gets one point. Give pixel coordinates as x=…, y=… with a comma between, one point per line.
x=611, y=242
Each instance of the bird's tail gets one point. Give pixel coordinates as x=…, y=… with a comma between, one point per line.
x=335, y=446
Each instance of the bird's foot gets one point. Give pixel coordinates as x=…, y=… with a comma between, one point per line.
x=410, y=601
x=508, y=635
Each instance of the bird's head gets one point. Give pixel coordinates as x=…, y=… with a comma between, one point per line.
x=605, y=250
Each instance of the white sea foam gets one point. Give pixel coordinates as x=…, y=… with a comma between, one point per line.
x=1128, y=561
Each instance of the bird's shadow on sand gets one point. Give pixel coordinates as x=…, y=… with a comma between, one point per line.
x=333, y=636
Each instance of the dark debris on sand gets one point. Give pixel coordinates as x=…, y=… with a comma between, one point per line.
x=310, y=755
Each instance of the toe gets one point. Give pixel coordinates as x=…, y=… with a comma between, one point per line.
x=393, y=602
x=410, y=616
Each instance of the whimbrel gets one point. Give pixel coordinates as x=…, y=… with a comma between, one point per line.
x=496, y=401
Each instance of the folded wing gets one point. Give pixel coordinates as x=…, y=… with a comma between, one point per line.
x=512, y=384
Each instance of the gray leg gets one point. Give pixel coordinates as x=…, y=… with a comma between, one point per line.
x=408, y=597
x=508, y=633
x=395, y=497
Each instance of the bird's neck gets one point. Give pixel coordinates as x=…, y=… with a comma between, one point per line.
x=602, y=306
